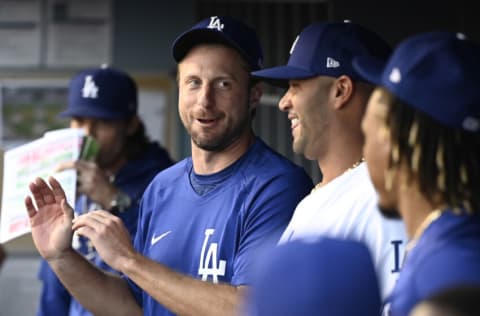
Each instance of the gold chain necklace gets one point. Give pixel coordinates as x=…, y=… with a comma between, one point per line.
x=433, y=216
x=355, y=164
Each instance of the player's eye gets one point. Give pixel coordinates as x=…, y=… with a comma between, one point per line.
x=224, y=84
x=294, y=84
x=193, y=83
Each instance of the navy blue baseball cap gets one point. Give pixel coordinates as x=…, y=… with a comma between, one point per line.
x=102, y=93
x=223, y=30
x=327, y=49
x=437, y=73
x=325, y=277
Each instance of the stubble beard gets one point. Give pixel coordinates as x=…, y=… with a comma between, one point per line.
x=301, y=146
x=225, y=139
x=298, y=143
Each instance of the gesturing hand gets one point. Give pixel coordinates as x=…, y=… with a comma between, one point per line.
x=107, y=234
x=51, y=219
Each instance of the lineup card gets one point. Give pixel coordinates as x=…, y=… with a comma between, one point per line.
x=23, y=164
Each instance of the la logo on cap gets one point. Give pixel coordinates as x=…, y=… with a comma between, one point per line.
x=90, y=89
x=215, y=23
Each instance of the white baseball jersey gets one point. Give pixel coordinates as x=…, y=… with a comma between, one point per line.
x=346, y=208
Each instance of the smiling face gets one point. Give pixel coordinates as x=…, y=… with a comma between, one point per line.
x=307, y=104
x=214, y=101
x=377, y=148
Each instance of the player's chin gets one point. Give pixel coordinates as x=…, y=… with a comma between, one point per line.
x=389, y=212
x=298, y=147
x=386, y=201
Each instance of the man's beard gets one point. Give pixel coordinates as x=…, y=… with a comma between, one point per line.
x=228, y=137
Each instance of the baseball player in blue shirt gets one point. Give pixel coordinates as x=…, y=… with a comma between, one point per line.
x=103, y=102
x=422, y=130
x=203, y=220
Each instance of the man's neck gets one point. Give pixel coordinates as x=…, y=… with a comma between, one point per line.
x=208, y=162
x=413, y=206
x=113, y=169
x=343, y=148
x=338, y=158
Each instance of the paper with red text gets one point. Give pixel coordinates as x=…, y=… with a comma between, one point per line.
x=23, y=164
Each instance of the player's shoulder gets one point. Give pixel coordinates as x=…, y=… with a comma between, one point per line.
x=360, y=182
x=453, y=252
x=266, y=161
x=177, y=168
x=171, y=175
x=443, y=269
x=355, y=189
x=262, y=169
x=444, y=263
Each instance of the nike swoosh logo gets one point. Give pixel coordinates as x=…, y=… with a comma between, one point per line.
x=159, y=237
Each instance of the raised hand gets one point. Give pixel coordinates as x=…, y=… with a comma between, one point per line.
x=51, y=219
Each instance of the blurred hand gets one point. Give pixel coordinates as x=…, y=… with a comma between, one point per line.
x=108, y=235
x=51, y=220
x=92, y=181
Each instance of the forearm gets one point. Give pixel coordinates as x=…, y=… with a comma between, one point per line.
x=181, y=294
x=99, y=292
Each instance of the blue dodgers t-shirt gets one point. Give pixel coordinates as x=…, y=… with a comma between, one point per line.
x=447, y=254
x=215, y=236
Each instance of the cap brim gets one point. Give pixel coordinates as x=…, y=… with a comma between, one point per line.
x=369, y=68
x=282, y=74
x=91, y=113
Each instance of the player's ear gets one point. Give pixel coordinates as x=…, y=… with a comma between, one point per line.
x=342, y=91
x=256, y=92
